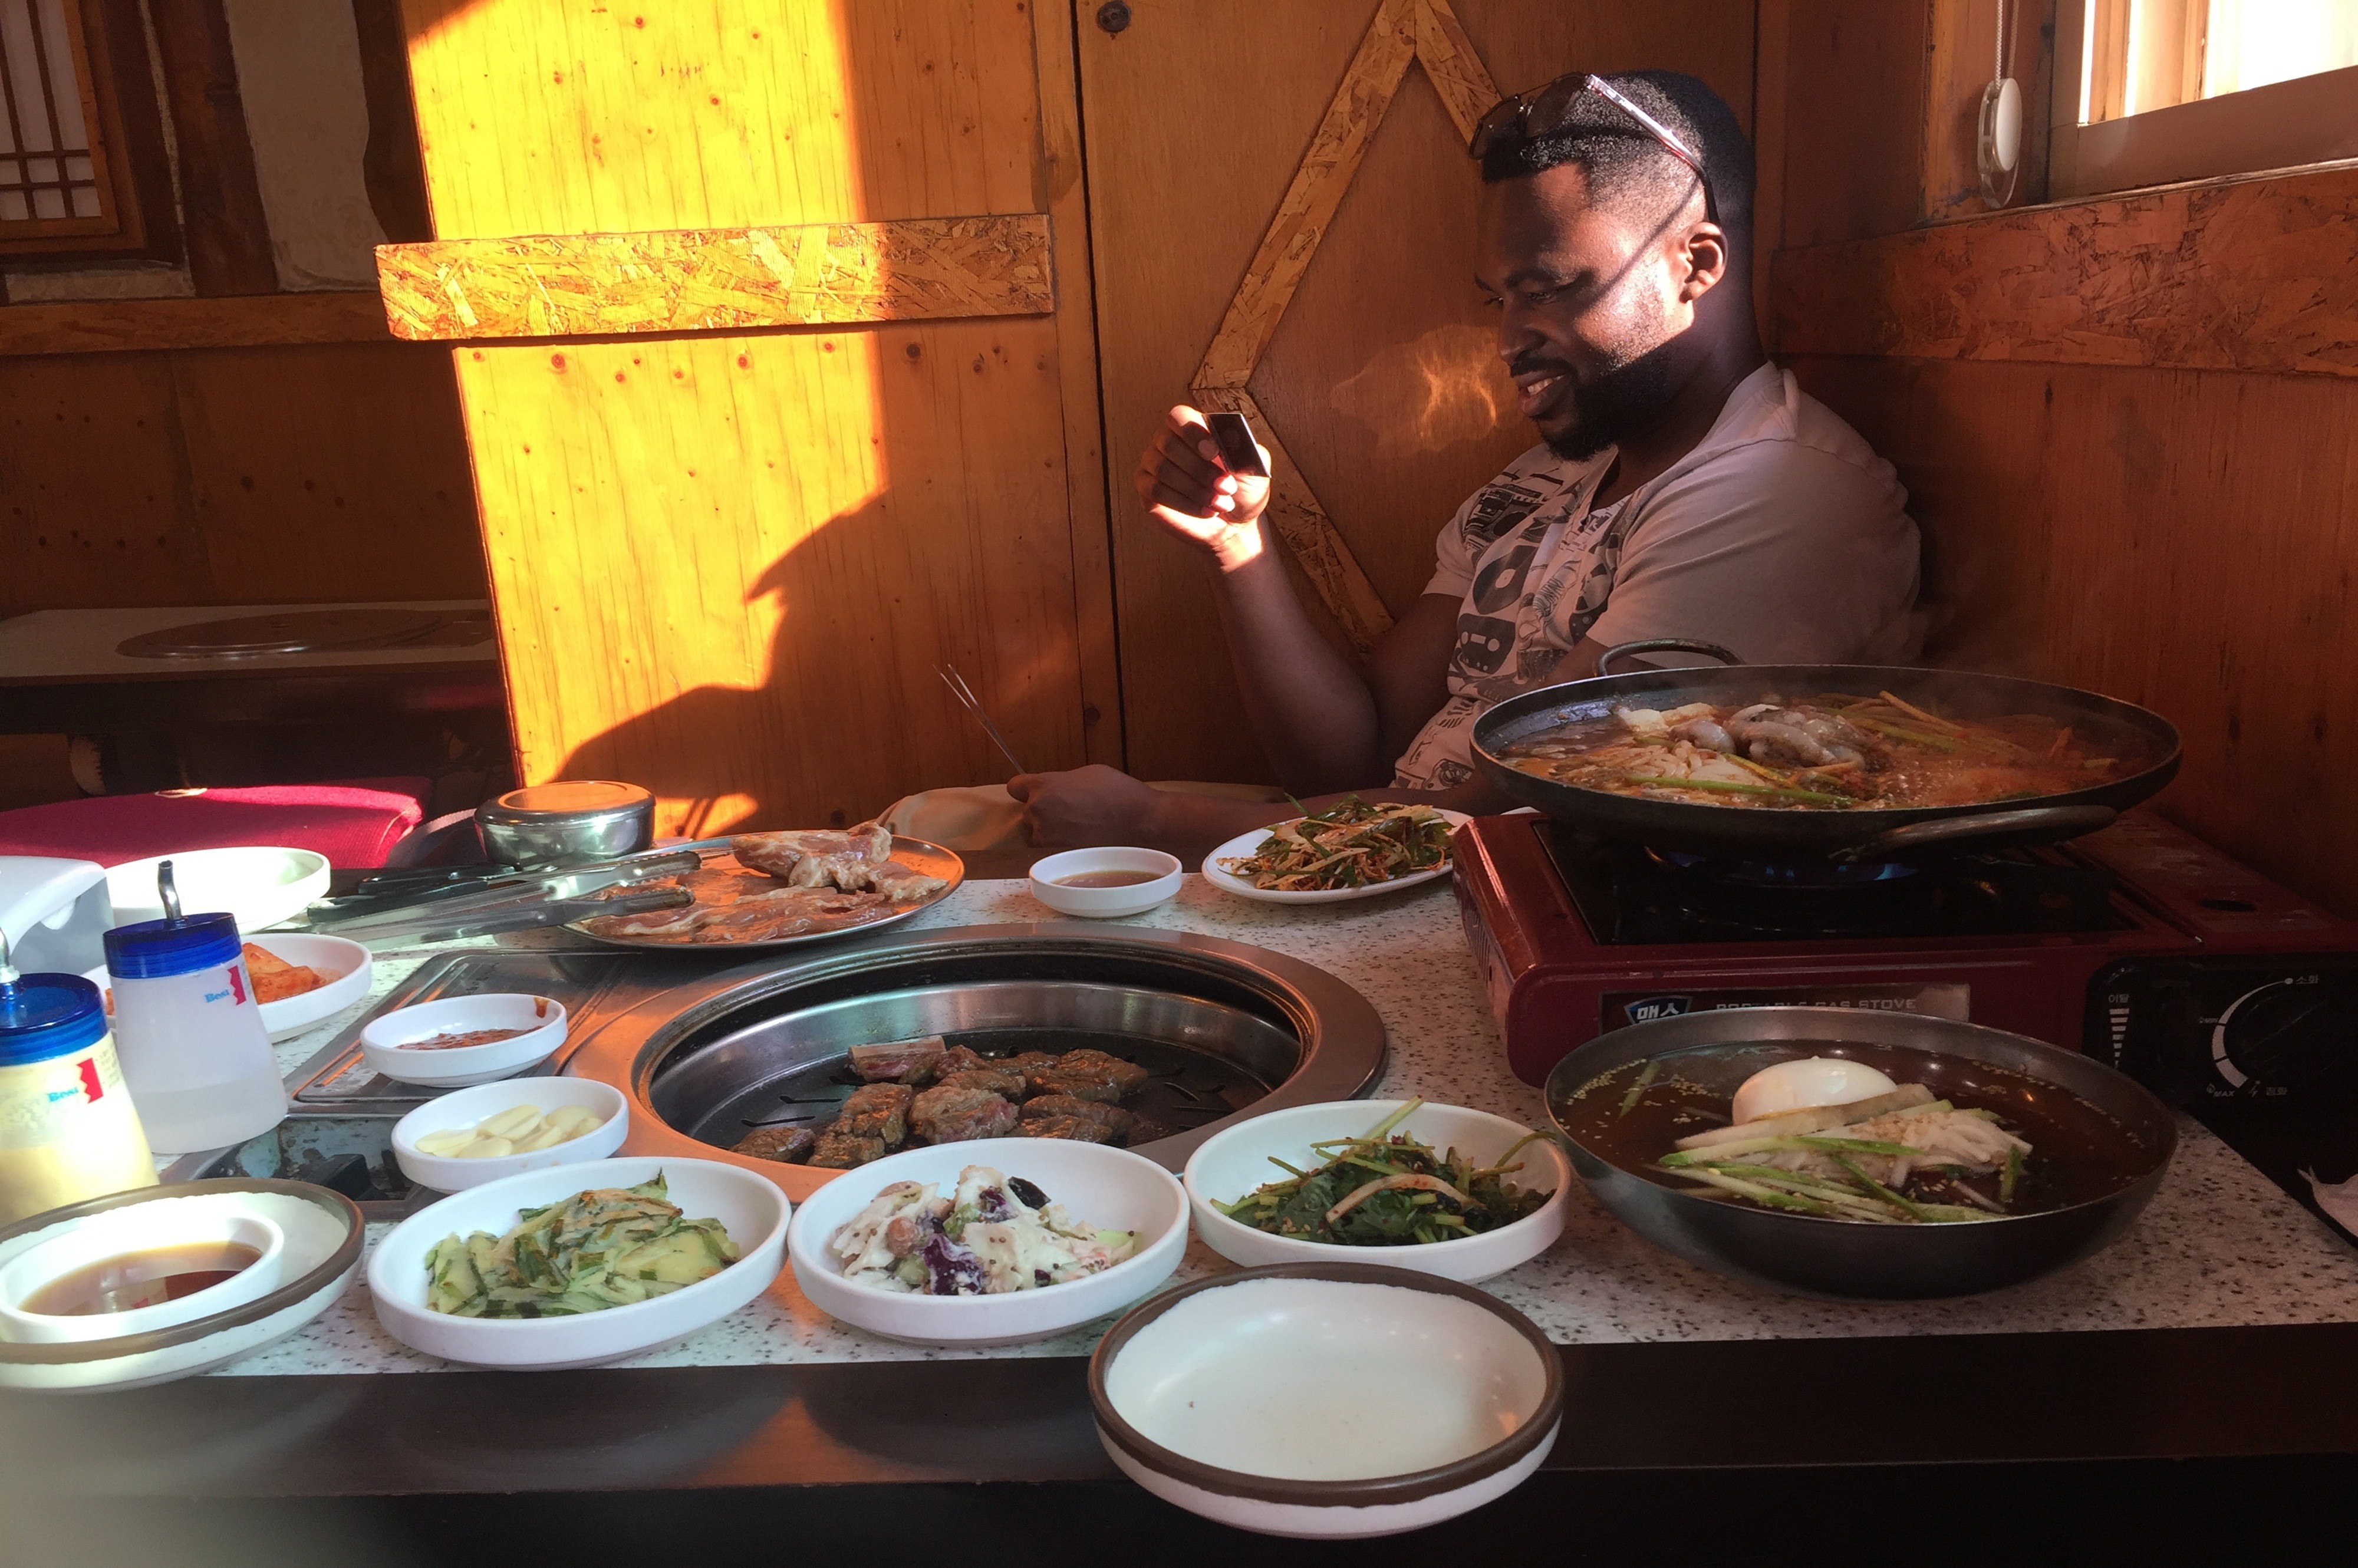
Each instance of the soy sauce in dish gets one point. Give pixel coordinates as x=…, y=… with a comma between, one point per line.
x=1108, y=879
x=143, y=1279
x=455, y=1041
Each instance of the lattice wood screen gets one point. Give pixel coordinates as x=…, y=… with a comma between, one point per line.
x=53, y=169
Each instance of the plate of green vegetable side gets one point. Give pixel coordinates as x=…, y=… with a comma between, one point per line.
x=579, y=1265
x=1442, y=1189
x=1353, y=850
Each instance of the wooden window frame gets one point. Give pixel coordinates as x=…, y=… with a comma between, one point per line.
x=132, y=168
x=2307, y=121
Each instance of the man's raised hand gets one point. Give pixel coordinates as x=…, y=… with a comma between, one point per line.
x=1186, y=489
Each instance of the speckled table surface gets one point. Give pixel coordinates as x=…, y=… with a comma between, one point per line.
x=2219, y=1246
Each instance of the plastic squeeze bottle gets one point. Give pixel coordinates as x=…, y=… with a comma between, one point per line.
x=67, y=1129
x=194, y=1047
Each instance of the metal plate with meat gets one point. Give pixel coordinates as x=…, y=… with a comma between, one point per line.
x=785, y=889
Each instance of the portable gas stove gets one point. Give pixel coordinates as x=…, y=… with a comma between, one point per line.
x=2140, y=945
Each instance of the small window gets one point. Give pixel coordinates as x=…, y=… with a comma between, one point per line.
x=83, y=170
x=2174, y=90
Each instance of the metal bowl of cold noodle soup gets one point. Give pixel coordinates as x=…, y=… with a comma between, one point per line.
x=2099, y=1144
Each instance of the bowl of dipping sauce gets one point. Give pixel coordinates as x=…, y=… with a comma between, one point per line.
x=1326, y=1400
x=464, y=1040
x=135, y=1270
x=1105, y=884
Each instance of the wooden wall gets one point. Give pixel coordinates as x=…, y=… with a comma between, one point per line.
x=2130, y=428
x=284, y=473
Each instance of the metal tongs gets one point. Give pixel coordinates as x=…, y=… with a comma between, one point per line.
x=509, y=901
x=957, y=683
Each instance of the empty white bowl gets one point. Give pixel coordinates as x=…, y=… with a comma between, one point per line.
x=1105, y=903
x=466, y=1107
x=1111, y=1189
x=751, y=1206
x=1326, y=1400
x=260, y=885
x=347, y=964
x=320, y=1258
x=541, y=1019
x=1231, y=1163
x=140, y=1227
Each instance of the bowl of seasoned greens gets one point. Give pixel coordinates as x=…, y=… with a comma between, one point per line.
x=579, y=1265
x=1442, y=1189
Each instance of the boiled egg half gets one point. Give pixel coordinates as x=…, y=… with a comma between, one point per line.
x=1811, y=1081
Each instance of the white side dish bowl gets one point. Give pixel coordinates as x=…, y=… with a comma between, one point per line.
x=1231, y=1163
x=141, y=1227
x=1111, y=1189
x=466, y=1107
x=541, y=1019
x=1337, y=1400
x=347, y=964
x=751, y=1208
x=321, y=1241
x=1106, y=903
x=259, y=884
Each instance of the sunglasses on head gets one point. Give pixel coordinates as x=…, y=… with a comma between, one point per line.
x=1543, y=111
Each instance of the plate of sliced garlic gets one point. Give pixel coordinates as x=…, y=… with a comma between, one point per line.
x=475, y=1135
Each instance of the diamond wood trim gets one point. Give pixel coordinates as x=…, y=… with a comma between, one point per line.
x=1404, y=32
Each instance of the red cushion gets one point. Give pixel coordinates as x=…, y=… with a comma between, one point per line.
x=352, y=824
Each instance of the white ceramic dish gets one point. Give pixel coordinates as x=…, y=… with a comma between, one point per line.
x=347, y=963
x=465, y=1107
x=1244, y=844
x=321, y=1252
x=1231, y=1163
x=1112, y=1189
x=259, y=884
x=1337, y=1400
x=229, y=1218
x=751, y=1206
x=541, y=1018
x=1106, y=903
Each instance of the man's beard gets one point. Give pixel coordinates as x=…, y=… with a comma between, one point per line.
x=1606, y=408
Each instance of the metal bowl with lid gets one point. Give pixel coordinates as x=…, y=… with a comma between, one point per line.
x=567, y=823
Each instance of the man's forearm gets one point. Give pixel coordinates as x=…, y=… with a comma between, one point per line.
x=1313, y=713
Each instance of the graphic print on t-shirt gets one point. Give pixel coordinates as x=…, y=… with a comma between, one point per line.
x=1494, y=512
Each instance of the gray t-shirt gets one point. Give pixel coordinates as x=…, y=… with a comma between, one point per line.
x=1781, y=535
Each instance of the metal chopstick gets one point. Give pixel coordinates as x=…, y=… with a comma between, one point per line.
x=957, y=683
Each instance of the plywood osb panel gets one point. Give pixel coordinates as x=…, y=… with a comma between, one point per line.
x=687, y=280
x=2253, y=274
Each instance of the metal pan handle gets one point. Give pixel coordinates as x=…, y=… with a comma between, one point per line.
x=1665, y=645
x=2048, y=823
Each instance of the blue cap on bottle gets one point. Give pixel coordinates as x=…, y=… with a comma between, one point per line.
x=159, y=949
x=43, y=1016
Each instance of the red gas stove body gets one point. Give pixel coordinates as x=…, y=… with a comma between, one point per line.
x=2206, y=978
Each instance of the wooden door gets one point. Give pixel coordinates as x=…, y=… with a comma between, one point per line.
x=772, y=333
x=1282, y=212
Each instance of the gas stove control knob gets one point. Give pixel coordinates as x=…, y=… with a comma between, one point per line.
x=2299, y=1033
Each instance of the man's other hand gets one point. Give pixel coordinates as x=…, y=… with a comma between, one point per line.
x=1186, y=489
x=1095, y=805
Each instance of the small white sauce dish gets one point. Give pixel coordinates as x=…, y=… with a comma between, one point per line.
x=320, y=1239
x=1335, y=1400
x=347, y=965
x=752, y=1208
x=542, y=1019
x=260, y=885
x=471, y=1107
x=1111, y=1189
x=142, y=1228
x=1231, y=1163
x=1106, y=903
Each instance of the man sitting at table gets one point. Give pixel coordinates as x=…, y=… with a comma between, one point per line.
x=1684, y=486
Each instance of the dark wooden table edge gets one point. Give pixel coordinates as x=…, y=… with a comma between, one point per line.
x=2232, y=1393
